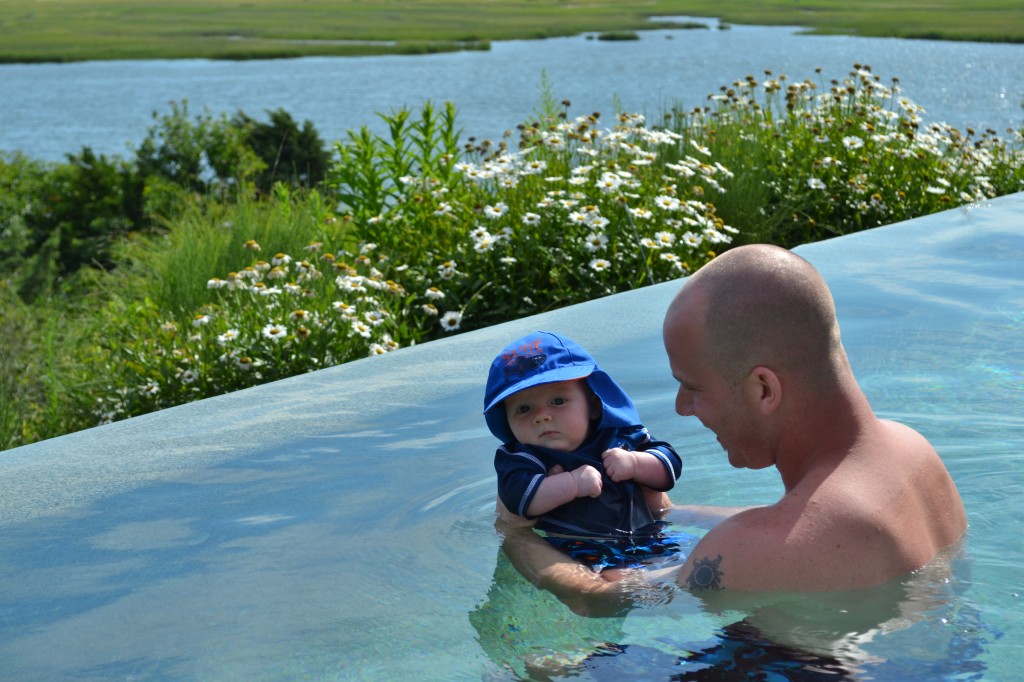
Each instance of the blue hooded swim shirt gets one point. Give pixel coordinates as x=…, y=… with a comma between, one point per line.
x=620, y=510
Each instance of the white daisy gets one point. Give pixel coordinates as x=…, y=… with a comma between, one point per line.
x=275, y=332
x=496, y=211
x=451, y=321
x=853, y=142
x=595, y=242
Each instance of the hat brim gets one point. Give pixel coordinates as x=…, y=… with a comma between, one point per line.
x=548, y=377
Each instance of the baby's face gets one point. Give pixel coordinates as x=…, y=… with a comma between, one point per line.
x=555, y=416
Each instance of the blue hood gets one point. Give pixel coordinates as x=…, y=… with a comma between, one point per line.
x=544, y=358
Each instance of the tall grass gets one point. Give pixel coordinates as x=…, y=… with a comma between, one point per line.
x=48, y=378
x=204, y=240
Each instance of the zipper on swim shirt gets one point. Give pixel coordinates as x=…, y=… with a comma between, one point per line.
x=626, y=446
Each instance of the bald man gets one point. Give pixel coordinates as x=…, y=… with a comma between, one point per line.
x=753, y=340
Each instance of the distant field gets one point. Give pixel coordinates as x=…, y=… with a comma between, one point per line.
x=72, y=30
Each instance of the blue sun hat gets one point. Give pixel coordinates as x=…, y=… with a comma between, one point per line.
x=544, y=358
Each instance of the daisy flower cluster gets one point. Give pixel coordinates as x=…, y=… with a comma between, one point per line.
x=276, y=317
x=576, y=211
x=855, y=154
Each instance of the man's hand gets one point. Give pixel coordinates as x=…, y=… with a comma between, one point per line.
x=620, y=464
x=507, y=519
x=588, y=481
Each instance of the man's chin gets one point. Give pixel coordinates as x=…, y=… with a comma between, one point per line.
x=736, y=461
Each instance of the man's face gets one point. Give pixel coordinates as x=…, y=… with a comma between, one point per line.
x=704, y=393
x=555, y=416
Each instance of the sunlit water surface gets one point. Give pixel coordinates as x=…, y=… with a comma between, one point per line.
x=338, y=525
x=49, y=110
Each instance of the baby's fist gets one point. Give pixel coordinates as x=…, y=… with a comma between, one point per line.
x=588, y=481
x=619, y=464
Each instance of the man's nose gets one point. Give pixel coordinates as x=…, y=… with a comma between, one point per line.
x=684, y=403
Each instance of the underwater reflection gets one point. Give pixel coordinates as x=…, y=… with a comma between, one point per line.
x=921, y=627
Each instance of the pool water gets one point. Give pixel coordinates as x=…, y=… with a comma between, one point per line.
x=339, y=525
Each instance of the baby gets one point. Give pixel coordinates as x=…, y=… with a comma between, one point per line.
x=575, y=455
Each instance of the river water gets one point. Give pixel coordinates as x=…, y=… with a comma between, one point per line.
x=49, y=110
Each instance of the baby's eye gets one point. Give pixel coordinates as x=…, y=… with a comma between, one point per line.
x=522, y=409
x=558, y=401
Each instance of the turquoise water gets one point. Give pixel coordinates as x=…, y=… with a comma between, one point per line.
x=338, y=525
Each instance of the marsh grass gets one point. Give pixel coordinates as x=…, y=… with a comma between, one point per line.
x=992, y=20
x=68, y=30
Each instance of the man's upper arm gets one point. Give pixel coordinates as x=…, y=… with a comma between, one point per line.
x=737, y=554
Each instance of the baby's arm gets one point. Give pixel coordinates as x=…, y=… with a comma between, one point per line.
x=555, y=490
x=641, y=467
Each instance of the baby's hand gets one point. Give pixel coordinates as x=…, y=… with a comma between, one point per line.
x=588, y=481
x=619, y=464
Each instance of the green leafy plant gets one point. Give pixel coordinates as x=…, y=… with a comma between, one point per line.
x=416, y=234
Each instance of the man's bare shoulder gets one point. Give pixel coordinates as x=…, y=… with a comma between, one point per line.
x=788, y=546
x=734, y=553
x=885, y=510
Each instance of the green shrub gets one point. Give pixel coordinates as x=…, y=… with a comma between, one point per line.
x=58, y=218
x=239, y=311
x=183, y=155
x=290, y=154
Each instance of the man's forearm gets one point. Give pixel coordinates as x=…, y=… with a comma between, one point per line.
x=575, y=585
x=704, y=516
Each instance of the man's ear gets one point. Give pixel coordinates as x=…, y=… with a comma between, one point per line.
x=765, y=389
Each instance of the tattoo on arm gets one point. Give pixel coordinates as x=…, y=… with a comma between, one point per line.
x=705, y=574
